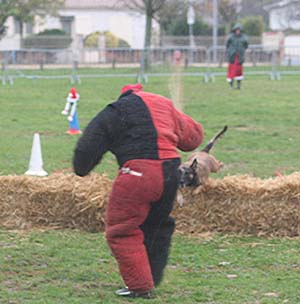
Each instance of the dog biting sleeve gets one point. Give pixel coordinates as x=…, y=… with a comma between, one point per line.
x=190, y=133
x=95, y=141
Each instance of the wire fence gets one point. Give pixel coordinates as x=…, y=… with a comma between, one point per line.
x=205, y=62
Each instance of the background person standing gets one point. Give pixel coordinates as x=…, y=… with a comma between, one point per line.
x=236, y=46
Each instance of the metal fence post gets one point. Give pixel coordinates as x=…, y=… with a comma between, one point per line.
x=142, y=77
x=3, y=69
x=42, y=65
x=6, y=78
x=254, y=58
x=221, y=59
x=274, y=66
x=74, y=77
x=277, y=63
x=262, y=61
x=114, y=62
x=207, y=74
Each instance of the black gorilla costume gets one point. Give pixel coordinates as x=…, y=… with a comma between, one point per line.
x=144, y=131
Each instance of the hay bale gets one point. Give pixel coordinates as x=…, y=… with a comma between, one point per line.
x=61, y=201
x=235, y=204
x=243, y=204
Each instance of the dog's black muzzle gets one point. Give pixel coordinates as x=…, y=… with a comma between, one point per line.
x=188, y=177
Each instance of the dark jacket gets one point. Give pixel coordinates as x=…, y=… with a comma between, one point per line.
x=139, y=125
x=236, y=44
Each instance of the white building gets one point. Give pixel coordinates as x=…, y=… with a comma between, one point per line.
x=81, y=18
x=284, y=15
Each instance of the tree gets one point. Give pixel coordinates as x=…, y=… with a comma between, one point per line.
x=254, y=8
x=151, y=9
x=171, y=11
x=179, y=27
x=6, y=10
x=253, y=25
x=228, y=10
x=25, y=10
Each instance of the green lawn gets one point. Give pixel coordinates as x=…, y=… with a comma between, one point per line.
x=73, y=267
x=76, y=267
x=263, y=119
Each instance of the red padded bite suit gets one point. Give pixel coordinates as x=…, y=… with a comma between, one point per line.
x=144, y=131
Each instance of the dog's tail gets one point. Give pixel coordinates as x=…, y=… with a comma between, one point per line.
x=211, y=143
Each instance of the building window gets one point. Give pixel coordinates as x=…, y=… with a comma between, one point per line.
x=17, y=26
x=67, y=23
x=29, y=27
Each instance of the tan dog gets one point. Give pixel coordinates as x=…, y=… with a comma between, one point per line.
x=202, y=164
x=196, y=170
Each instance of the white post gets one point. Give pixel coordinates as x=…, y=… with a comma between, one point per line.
x=215, y=30
x=191, y=22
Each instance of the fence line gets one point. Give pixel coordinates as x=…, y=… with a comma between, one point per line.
x=125, y=62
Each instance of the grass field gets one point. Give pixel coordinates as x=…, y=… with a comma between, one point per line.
x=263, y=124
x=73, y=267
x=76, y=267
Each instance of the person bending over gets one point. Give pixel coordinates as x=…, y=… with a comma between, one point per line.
x=143, y=130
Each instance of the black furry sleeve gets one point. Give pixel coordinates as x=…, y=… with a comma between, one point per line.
x=95, y=141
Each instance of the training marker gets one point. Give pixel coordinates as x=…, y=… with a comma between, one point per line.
x=74, y=126
x=36, y=160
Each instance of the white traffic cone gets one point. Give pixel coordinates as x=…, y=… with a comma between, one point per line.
x=36, y=160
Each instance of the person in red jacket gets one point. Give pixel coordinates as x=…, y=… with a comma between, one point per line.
x=144, y=131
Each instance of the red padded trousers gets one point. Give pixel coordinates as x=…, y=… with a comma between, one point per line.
x=235, y=70
x=131, y=201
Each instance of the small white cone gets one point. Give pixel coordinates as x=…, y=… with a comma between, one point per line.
x=36, y=160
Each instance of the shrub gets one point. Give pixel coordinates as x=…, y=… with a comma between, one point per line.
x=253, y=25
x=181, y=28
x=52, y=32
x=111, y=41
x=200, y=28
x=48, y=39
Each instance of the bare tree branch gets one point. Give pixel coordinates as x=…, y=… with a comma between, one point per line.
x=158, y=5
x=150, y=8
x=138, y=5
x=24, y=10
x=228, y=12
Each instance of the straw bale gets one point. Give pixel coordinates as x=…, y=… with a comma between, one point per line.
x=234, y=204
x=243, y=204
x=60, y=201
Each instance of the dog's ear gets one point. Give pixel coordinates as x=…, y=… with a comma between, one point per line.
x=194, y=164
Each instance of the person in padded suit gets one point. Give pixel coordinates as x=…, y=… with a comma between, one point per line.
x=143, y=130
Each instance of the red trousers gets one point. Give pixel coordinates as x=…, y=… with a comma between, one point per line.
x=137, y=217
x=235, y=70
